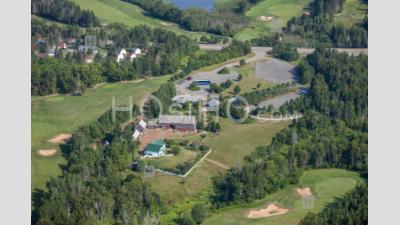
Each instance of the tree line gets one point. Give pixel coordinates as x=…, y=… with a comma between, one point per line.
x=332, y=133
x=194, y=19
x=64, y=11
x=234, y=50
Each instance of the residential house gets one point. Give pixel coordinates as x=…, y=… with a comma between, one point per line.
x=122, y=55
x=156, y=149
x=213, y=103
x=136, y=51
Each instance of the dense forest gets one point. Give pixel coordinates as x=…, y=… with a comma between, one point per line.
x=194, y=19
x=332, y=133
x=64, y=11
x=93, y=188
x=319, y=27
x=351, y=209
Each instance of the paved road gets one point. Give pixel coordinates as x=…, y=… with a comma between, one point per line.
x=303, y=51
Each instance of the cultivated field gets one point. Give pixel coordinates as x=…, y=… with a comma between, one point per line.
x=117, y=11
x=54, y=115
x=325, y=184
x=271, y=16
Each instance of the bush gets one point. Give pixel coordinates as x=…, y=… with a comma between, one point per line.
x=224, y=71
x=176, y=150
x=184, y=142
x=286, y=52
x=193, y=86
x=237, y=89
x=242, y=62
x=199, y=213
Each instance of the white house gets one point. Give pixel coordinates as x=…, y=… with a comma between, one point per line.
x=132, y=56
x=136, y=51
x=122, y=55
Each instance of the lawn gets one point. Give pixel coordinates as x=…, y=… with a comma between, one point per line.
x=237, y=140
x=52, y=115
x=117, y=11
x=249, y=81
x=171, y=162
x=280, y=11
x=228, y=148
x=325, y=184
x=353, y=12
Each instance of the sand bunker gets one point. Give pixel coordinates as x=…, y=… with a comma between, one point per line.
x=304, y=191
x=47, y=152
x=165, y=24
x=271, y=210
x=61, y=138
x=266, y=18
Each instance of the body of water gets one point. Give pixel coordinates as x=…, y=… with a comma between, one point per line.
x=204, y=4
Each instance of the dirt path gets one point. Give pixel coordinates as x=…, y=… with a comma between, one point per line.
x=217, y=163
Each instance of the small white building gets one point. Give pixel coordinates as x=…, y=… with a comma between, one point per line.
x=139, y=129
x=136, y=51
x=122, y=55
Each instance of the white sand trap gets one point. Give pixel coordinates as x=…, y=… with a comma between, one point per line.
x=266, y=18
x=60, y=138
x=271, y=210
x=47, y=152
x=165, y=24
x=304, y=191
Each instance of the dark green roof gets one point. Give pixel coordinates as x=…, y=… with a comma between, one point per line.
x=155, y=146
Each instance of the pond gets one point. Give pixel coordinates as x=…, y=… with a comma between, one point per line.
x=204, y=4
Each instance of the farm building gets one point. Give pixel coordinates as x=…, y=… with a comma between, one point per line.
x=156, y=148
x=139, y=129
x=178, y=122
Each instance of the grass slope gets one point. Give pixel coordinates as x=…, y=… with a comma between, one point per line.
x=280, y=10
x=326, y=184
x=52, y=115
x=116, y=11
x=229, y=147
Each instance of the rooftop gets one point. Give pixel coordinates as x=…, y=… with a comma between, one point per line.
x=180, y=119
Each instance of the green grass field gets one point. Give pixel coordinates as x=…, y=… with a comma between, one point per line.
x=171, y=162
x=116, y=11
x=325, y=184
x=249, y=81
x=353, y=12
x=280, y=10
x=52, y=115
x=229, y=147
